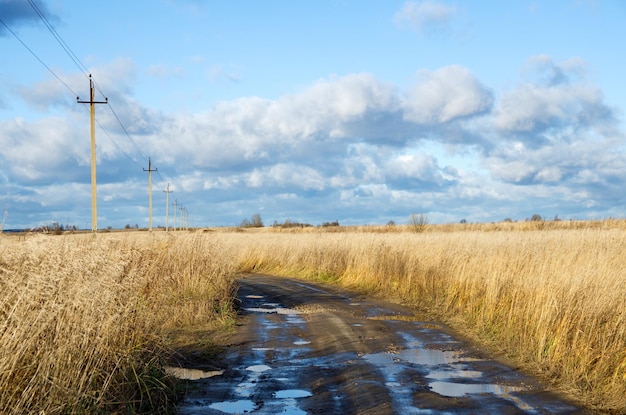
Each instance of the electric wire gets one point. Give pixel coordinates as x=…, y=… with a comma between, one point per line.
x=83, y=69
x=127, y=134
x=117, y=145
x=59, y=39
x=38, y=58
x=70, y=53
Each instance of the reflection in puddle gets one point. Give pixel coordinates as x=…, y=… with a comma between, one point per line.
x=234, y=407
x=301, y=342
x=258, y=368
x=292, y=393
x=456, y=390
x=285, y=311
x=254, y=297
x=191, y=374
x=432, y=357
x=454, y=373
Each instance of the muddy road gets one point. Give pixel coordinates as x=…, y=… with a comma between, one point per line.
x=304, y=348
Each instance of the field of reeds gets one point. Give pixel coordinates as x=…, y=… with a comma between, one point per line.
x=85, y=322
x=551, y=297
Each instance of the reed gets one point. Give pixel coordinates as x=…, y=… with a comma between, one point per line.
x=554, y=300
x=84, y=321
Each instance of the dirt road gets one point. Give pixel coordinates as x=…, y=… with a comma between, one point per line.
x=304, y=348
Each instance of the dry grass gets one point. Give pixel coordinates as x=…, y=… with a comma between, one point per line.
x=83, y=320
x=553, y=300
x=84, y=323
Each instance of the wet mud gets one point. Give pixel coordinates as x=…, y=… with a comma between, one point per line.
x=304, y=348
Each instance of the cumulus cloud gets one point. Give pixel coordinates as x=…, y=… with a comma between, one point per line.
x=425, y=17
x=556, y=100
x=446, y=94
x=354, y=140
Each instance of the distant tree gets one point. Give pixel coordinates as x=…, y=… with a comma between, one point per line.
x=256, y=221
x=508, y=220
x=127, y=226
x=536, y=218
x=463, y=221
x=418, y=222
x=391, y=223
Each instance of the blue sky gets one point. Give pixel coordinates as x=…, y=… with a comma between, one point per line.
x=358, y=111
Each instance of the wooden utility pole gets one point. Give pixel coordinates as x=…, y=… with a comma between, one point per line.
x=167, y=193
x=175, y=208
x=92, y=110
x=150, y=191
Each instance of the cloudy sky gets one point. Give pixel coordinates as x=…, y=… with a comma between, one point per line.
x=358, y=111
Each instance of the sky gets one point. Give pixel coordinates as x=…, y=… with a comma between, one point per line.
x=356, y=111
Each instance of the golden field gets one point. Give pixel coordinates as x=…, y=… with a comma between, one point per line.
x=86, y=322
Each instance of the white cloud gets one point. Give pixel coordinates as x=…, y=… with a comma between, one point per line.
x=556, y=97
x=446, y=94
x=425, y=17
x=286, y=175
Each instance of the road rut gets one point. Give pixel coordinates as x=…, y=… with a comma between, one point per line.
x=305, y=348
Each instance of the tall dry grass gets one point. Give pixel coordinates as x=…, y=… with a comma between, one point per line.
x=553, y=300
x=83, y=321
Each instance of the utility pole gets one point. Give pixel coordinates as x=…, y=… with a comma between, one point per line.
x=182, y=211
x=175, y=204
x=92, y=110
x=150, y=190
x=167, y=194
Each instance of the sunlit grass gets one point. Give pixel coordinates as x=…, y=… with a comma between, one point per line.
x=84, y=321
x=554, y=300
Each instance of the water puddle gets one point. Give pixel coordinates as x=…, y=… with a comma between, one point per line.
x=258, y=368
x=254, y=297
x=454, y=373
x=234, y=407
x=456, y=390
x=301, y=342
x=292, y=393
x=432, y=357
x=273, y=310
x=191, y=374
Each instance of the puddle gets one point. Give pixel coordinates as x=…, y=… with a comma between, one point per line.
x=255, y=297
x=258, y=368
x=234, y=407
x=456, y=390
x=301, y=342
x=270, y=310
x=263, y=349
x=292, y=393
x=191, y=374
x=454, y=373
x=433, y=357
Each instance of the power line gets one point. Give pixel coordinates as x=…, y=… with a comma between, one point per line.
x=117, y=145
x=83, y=69
x=38, y=58
x=127, y=134
x=80, y=66
x=59, y=39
